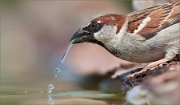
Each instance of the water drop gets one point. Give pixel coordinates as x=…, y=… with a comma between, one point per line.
x=50, y=88
x=57, y=71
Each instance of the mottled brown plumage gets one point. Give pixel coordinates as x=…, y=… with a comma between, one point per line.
x=111, y=19
x=161, y=16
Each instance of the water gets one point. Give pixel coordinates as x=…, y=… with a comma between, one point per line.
x=62, y=93
x=50, y=88
x=66, y=53
x=35, y=96
x=61, y=65
x=57, y=72
x=79, y=94
x=85, y=94
x=50, y=100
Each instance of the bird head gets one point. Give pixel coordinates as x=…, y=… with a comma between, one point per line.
x=99, y=30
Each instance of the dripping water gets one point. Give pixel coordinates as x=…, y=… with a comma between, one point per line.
x=66, y=53
x=58, y=70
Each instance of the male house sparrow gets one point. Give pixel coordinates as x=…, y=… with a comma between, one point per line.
x=148, y=35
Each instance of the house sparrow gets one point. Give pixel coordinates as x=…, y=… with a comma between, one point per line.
x=148, y=35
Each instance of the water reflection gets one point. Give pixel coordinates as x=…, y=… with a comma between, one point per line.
x=84, y=94
x=50, y=100
x=81, y=94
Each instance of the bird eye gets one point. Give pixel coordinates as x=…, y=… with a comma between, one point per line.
x=94, y=27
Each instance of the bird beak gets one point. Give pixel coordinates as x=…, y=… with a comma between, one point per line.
x=80, y=36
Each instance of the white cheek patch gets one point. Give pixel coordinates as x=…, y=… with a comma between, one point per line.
x=109, y=30
x=142, y=25
x=105, y=33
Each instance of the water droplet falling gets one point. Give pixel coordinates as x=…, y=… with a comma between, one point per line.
x=50, y=88
x=58, y=70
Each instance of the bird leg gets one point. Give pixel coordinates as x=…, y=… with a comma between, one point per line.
x=150, y=66
x=153, y=65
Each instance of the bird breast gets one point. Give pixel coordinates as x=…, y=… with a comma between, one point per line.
x=134, y=48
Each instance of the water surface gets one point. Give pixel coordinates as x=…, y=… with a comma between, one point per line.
x=42, y=97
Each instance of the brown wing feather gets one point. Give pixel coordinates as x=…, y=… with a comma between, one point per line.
x=161, y=16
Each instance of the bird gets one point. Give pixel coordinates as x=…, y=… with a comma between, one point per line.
x=150, y=35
